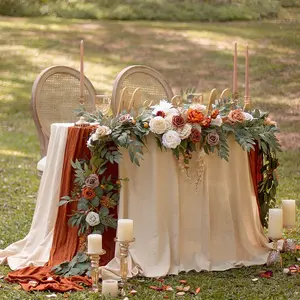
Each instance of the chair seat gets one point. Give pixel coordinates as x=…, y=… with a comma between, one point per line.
x=41, y=165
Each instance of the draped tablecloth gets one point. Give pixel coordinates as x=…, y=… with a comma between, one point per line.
x=177, y=226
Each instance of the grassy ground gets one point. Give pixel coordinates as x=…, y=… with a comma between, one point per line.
x=188, y=54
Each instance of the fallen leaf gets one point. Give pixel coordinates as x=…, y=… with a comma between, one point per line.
x=180, y=293
x=52, y=296
x=153, y=287
x=266, y=274
x=179, y=288
x=167, y=288
x=186, y=288
x=133, y=292
x=197, y=291
x=182, y=281
x=286, y=270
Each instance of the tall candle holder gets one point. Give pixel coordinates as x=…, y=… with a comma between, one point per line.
x=124, y=247
x=274, y=256
x=95, y=259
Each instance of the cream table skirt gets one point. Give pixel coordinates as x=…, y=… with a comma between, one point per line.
x=180, y=228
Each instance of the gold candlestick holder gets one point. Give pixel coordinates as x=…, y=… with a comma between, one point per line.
x=95, y=259
x=274, y=255
x=124, y=249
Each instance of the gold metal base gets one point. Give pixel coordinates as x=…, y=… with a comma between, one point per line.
x=95, y=259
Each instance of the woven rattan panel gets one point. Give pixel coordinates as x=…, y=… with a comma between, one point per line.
x=58, y=97
x=152, y=89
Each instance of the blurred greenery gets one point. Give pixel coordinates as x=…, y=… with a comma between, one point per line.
x=187, y=54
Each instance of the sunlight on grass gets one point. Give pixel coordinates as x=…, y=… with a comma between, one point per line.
x=15, y=153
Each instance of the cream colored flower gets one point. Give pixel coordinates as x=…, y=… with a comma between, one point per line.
x=103, y=131
x=171, y=139
x=247, y=116
x=92, y=218
x=185, y=132
x=158, y=125
x=198, y=107
x=217, y=121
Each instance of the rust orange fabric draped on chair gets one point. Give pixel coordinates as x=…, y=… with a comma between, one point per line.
x=66, y=241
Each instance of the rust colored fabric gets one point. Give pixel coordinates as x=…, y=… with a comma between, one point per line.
x=256, y=163
x=65, y=240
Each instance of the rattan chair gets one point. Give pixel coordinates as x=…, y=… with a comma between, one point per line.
x=55, y=96
x=152, y=85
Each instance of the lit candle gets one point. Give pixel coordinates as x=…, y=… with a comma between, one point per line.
x=125, y=230
x=247, y=73
x=289, y=213
x=275, y=223
x=94, y=243
x=235, y=69
x=81, y=68
x=110, y=287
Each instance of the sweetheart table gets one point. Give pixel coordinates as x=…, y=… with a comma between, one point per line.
x=178, y=225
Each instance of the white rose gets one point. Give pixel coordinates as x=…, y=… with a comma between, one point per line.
x=198, y=107
x=185, y=132
x=103, y=131
x=92, y=218
x=217, y=121
x=248, y=117
x=169, y=120
x=94, y=137
x=158, y=125
x=171, y=139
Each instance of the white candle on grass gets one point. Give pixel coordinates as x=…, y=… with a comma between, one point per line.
x=289, y=213
x=125, y=230
x=94, y=243
x=110, y=287
x=275, y=223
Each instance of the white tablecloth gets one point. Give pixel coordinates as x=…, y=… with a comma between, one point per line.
x=176, y=227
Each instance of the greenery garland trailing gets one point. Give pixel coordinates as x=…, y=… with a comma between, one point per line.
x=179, y=129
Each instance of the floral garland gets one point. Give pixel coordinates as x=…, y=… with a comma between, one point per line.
x=184, y=130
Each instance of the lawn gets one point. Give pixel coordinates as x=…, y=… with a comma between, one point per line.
x=188, y=55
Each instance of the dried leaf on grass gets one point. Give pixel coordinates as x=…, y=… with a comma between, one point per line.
x=133, y=292
x=183, y=281
x=179, y=288
x=197, y=291
x=180, y=293
x=186, y=288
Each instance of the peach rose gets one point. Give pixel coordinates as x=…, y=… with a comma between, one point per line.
x=269, y=121
x=206, y=122
x=236, y=115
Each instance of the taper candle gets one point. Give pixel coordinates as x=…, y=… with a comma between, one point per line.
x=235, y=69
x=125, y=230
x=289, y=213
x=247, y=73
x=81, y=68
x=275, y=223
x=94, y=243
x=110, y=287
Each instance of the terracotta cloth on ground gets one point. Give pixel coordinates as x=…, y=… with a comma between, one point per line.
x=66, y=241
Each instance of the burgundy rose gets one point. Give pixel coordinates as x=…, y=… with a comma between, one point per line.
x=213, y=139
x=195, y=135
x=178, y=121
x=92, y=181
x=160, y=113
x=88, y=193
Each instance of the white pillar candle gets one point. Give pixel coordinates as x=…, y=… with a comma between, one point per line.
x=289, y=213
x=110, y=287
x=94, y=243
x=275, y=223
x=125, y=230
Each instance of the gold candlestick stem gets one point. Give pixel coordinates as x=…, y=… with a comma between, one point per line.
x=95, y=260
x=274, y=256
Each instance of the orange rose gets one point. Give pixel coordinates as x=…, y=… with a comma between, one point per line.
x=214, y=113
x=269, y=121
x=236, y=115
x=206, y=122
x=194, y=116
x=88, y=193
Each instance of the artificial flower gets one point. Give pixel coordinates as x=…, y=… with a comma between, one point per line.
x=92, y=181
x=213, y=138
x=185, y=132
x=214, y=113
x=269, y=121
x=206, y=121
x=95, y=137
x=178, y=121
x=158, y=125
x=217, y=121
x=194, y=116
x=195, y=135
x=125, y=118
x=171, y=139
x=236, y=115
x=88, y=193
x=103, y=131
x=165, y=107
x=199, y=107
x=92, y=218
x=107, y=202
x=160, y=113
x=247, y=116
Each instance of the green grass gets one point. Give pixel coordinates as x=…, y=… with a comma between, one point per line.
x=188, y=54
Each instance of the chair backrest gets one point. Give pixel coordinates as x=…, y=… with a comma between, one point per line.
x=153, y=86
x=55, y=96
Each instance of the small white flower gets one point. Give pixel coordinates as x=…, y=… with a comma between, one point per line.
x=185, y=132
x=248, y=117
x=103, y=131
x=158, y=125
x=217, y=121
x=171, y=139
x=166, y=107
x=92, y=218
x=198, y=107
